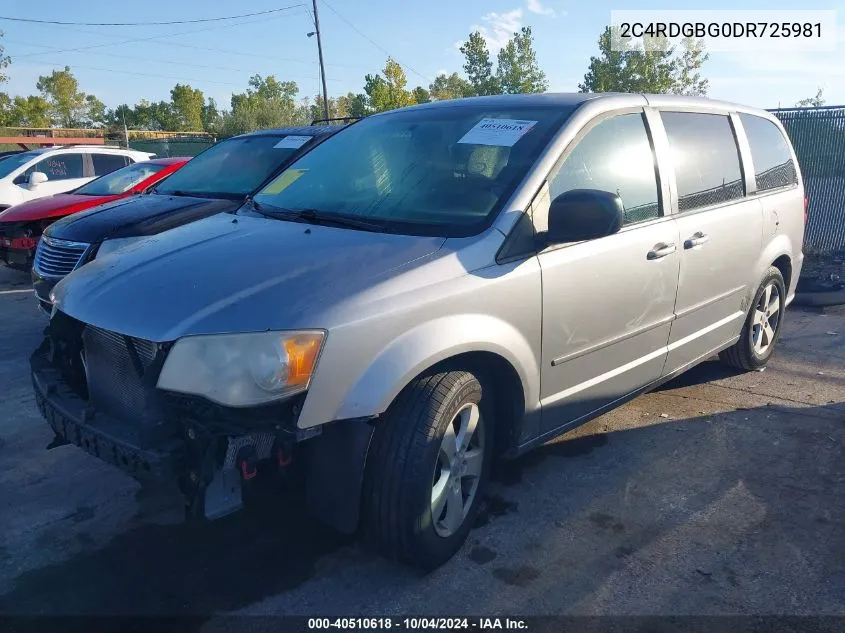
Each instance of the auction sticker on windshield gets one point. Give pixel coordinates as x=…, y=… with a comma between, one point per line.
x=500, y=132
x=283, y=181
x=292, y=142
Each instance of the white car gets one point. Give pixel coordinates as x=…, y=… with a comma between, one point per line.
x=51, y=170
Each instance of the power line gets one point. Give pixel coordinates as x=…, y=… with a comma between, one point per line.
x=122, y=40
x=139, y=39
x=366, y=37
x=196, y=21
x=130, y=72
x=164, y=61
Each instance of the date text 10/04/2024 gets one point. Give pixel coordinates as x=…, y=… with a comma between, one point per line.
x=418, y=624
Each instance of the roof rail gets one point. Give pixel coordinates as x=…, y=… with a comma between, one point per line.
x=84, y=145
x=345, y=119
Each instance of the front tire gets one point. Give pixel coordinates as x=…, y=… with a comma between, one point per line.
x=762, y=326
x=427, y=469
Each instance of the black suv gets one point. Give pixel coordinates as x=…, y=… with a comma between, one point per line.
x=217, y=180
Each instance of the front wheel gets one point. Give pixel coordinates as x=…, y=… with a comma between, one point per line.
x=762, y=326
x=427, y=469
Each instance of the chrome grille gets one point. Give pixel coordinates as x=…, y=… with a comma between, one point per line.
x=57, y=258
x=115, y=384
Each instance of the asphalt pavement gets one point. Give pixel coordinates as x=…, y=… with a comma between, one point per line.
x=721, y=493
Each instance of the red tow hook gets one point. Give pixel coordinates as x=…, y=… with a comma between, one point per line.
x=248, y=471
x=248, y=464
x=283, y=458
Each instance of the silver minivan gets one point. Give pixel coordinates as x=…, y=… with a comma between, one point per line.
x=428, y=290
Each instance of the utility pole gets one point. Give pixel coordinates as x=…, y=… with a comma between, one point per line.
x=322, y=67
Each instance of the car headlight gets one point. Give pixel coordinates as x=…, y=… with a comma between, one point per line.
x=241, y=370
x=109, y=246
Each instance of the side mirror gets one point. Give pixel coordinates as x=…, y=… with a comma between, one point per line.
x=37, y=178
x=584, y=214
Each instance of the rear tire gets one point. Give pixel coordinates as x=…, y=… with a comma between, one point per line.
x=427, y=469
x=760, y=333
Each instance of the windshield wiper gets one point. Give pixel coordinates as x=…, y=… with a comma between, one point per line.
x=313, y=216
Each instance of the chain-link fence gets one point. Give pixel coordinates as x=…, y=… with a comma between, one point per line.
x=818, y=135
x=169, y=147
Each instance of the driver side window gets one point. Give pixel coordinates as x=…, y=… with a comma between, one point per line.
x=616, y=156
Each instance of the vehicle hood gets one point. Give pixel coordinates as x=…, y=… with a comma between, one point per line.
x=53, y=207
x=232, y=274
x=137, y=215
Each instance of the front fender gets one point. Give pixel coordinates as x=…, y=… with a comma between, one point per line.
x=433, y=342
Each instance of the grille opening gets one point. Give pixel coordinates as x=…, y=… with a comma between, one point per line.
x=57, y=258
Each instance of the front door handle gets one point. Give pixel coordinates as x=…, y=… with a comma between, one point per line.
x=661, y=250
x=696, y=240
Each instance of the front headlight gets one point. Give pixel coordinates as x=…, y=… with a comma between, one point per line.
x=241, y=370
x=109, y=246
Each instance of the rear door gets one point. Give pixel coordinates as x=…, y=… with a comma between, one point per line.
x=607, y=303
x=720, y=233
x=775, y=181
x=103, y=163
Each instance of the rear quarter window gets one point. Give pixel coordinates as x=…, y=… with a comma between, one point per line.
x=107, y=163
x=706, y=159
x=774, y=166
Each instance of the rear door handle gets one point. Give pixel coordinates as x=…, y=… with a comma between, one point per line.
x=696, y=240
x=661, y=250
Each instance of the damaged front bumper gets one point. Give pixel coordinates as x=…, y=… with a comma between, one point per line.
x=17, y=244
x=214, y=455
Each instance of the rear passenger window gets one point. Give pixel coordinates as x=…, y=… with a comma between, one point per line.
x=59, y=167
x=107, y=163
x=773, y=164
x=614, y=156
x=706, y=159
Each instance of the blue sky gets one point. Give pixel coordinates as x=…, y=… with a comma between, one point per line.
x=219, y=58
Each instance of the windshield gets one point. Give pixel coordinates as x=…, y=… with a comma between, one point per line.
x=430, y=171
x=119, y=181
x=233, y=168
x=8, y=164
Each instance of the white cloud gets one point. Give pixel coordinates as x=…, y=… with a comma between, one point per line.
x=535, y=6
x=499, y=28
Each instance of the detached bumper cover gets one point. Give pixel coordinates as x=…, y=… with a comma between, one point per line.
x=105, y=438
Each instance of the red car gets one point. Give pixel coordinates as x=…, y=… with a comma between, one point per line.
x=21, y=225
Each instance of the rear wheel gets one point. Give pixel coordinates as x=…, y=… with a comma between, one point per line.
x=427, y=469
x=762, y=326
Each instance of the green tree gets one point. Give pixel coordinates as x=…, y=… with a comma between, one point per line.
x=812, y=102
x=478, y=66
x=5, y=109
x=688, y=79
x=95, y=112
x=607, y=72
x=67, y=102
x=517, y=69
x=420, y=95
x=186, y=104
x=343, y=104
x=388, y=92
x=650, y=67
x=153, y=116
x=267, y=103
x=450, y=87
x=210, y=116
x=31, y=111
x=5, y=60
x=654, y=68
x=357, y=105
